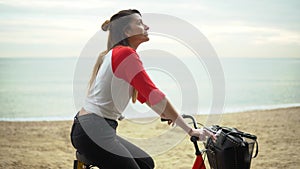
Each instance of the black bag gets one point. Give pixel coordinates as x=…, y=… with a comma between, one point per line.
x=233, y=149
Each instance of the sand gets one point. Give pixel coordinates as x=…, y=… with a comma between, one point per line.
x=43, y=145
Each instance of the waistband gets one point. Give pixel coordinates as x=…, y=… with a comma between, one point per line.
x=112, y=123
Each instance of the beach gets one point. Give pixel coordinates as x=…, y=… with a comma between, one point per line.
x=46, y=144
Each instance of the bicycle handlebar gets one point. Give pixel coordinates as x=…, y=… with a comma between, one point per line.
x=185, y=116
x=193, y=139
x=195, y=123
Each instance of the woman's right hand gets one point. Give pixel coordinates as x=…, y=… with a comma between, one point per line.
x=202, y=134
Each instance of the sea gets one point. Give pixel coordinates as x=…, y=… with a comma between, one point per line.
x=47, y=89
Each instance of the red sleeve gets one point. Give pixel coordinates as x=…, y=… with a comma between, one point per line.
x=127, y=65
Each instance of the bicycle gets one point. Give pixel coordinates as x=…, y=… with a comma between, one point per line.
x=224, y=134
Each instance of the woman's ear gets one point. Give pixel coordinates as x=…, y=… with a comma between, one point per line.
x=128, y=32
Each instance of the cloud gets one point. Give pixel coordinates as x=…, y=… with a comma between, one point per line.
x=64, y=22
x=254, y=34
x=65, y=4
x=277, y=36
x=39, y=30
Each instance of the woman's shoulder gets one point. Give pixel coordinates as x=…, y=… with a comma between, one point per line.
x=123, y=50
x=123, y=54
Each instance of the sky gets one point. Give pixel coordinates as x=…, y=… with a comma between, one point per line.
x=235, y=28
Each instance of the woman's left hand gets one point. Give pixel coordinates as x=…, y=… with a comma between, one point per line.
x=202, y=134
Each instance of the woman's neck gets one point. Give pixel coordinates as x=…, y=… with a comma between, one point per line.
x=133, y=44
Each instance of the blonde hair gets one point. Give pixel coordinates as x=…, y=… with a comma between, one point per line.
x=116, y=26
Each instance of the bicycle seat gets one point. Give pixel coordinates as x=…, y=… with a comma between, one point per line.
x=82, y=158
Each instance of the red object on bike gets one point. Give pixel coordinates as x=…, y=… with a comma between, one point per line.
x=199, y=163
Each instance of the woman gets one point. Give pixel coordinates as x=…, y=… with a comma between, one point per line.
x=119, y=75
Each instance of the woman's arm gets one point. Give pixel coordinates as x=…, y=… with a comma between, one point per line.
x=165, y=109
x=127, y=65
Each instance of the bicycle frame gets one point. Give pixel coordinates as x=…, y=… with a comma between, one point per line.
x=199, y=163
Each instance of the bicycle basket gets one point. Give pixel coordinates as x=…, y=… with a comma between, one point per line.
x=233, y=149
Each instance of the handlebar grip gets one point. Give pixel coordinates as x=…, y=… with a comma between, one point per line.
x=194, y=139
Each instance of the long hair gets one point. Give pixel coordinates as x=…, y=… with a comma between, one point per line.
x=116, y=27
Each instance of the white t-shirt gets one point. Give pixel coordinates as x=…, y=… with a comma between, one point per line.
x=120, y=72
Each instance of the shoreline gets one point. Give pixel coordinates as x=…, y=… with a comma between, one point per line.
x=232, y=111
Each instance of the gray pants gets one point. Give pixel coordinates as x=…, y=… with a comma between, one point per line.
x=96, y=138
